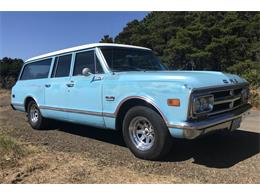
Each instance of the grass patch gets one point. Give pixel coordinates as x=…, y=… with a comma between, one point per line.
x=10, y=151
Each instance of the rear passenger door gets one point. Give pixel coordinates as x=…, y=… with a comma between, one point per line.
x=57, y=88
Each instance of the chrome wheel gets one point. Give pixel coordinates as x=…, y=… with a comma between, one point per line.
x=34, y=114
x=141, y=133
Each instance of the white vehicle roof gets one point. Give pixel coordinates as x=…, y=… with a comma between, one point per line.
x=82, y=47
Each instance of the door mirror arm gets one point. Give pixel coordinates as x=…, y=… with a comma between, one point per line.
x=86, y=72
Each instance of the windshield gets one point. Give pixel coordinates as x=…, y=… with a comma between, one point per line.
x=130, y=59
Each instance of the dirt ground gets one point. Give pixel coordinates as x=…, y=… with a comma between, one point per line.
x=80, y=154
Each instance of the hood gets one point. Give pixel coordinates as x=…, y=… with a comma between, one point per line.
x=194, y=79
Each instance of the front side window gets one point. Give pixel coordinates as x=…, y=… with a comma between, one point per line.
x=89, y=60
x=61, y=66
x=131, y=59
x=36, y=70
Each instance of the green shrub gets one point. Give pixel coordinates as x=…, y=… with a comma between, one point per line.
x=249, y=70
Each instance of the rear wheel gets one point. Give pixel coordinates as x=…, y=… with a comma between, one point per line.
x=146, y=134
x=35, y=118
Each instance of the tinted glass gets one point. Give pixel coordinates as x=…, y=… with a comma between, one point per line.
x=36, y=70
x=84, y=60
x=89, y=60
x=99, y=69
x=63, y=66
x=129, y=59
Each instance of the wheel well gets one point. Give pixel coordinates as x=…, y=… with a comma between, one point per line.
x=127, y=106
x=26, y=102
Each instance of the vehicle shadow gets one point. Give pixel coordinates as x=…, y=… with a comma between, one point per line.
x=105, y=135
x=218, y=150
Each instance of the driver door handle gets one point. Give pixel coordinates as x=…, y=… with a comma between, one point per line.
x=96, y=78
x=70, y=84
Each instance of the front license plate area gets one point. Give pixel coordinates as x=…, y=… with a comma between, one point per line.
x=235, y=124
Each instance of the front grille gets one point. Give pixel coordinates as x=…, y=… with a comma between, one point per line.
x=226, y=98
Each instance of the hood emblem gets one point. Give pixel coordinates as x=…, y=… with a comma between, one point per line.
x=225, y=81
x=233, y=80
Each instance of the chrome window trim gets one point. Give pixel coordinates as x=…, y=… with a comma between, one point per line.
x=52, y=65
x=26, y=63
x=58, y=57
x=96, y=55
x=104, y=62
x=104, y=59
x=55, y=66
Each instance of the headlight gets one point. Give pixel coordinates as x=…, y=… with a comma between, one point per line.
x=203, y=104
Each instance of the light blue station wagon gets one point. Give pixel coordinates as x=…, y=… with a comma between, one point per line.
x=126, y=88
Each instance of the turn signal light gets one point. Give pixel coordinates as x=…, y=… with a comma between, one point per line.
x=173, y=102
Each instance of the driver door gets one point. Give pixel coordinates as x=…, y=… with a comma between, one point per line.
x=85, y=92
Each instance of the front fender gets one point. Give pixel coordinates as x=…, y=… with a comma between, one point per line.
x=154, y=93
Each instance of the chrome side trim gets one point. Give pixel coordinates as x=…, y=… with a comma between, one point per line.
x=149, y=101
x=107, y=114
x=93, y=113
x=18, y=104
x=199, y=125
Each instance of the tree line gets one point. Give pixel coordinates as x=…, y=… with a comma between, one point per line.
x=9, y=71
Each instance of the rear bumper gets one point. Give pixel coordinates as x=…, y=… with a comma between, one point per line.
x=193, y=129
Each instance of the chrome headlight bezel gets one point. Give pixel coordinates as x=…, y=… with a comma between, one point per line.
x=202, y=104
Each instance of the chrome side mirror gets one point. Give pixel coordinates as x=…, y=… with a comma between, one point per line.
x=86, y=72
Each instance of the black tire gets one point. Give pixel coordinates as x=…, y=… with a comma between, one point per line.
x=162, y=141
x=41, y=122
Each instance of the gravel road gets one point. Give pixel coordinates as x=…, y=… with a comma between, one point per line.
x=81, y=154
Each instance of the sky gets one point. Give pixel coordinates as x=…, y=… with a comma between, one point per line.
x=27, y=34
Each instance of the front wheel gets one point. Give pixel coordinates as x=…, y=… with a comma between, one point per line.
x=146, y=134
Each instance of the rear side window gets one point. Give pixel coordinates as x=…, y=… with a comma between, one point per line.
x=89, y=60
x=61, y=66
x=36, y=70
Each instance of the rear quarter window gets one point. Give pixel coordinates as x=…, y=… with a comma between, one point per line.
x=36, y=70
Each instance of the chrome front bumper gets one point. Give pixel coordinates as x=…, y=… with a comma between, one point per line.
x=193, y=129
